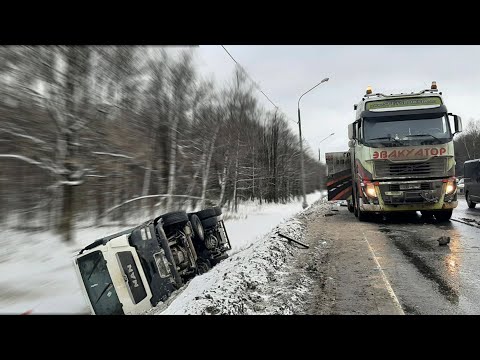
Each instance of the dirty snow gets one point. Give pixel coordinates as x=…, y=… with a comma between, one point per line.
x=37, y=267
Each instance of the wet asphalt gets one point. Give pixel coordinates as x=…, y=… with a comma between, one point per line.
x=429, y=278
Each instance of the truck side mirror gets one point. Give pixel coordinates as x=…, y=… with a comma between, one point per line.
x=457, y=121
x=351, y=131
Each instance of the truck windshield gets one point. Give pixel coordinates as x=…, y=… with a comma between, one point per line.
x=406, y=130
x=98, y=284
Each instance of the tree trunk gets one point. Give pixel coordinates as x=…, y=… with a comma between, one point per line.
x=206, y=168
x=172, y=165
x=253, y=175
x=146, y=184
x=234, y=198
x=223, y=182
x=67, y=214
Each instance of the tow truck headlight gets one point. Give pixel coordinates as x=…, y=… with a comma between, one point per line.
x=370, y=190
x=451, y=187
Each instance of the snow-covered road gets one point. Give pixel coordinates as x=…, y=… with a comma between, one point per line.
x=38, y=274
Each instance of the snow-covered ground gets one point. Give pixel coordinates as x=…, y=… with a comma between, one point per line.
x=37, y=268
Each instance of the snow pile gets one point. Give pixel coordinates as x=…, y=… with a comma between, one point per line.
x=249, y=282
x=257, y=220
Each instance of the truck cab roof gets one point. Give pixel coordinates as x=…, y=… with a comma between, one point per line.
x=379, y=102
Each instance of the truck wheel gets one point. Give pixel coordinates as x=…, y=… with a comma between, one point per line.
x=427, y=214
x=210, y=222
x=350, y=207
x=355, y=211
x=197, y=227
x=205, y=214
x=362, y=215
x=176, y=217
x=203, y=265
x=470, y=203
x=163, y=241
x=443, y=215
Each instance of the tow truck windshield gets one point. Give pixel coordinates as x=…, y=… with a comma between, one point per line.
x=406, y=130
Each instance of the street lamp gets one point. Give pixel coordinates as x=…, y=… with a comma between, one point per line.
x=304, y=204
x=320, y=143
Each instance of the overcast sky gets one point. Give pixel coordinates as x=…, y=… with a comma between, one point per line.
x=285, y=72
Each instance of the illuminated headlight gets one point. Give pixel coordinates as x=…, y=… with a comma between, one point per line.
x=370, y=190
x=451, y=187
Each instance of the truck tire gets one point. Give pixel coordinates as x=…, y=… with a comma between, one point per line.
x=205, y=214
x=218, y=259
x=470, y=203
x=210, y=222
x=350, y=206
x=176, y=217
x=197, y=227
x=163, y=241
x=361, y=215
x=443, y=215
x=354, y=203
x=203, y=265
x=427, y=214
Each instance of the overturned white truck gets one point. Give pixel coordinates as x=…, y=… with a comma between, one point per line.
x=132, y=271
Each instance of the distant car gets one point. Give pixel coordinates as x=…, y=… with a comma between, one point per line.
x=471, y=169
x=461, y=186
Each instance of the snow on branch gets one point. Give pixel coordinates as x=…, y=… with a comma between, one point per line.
x=111, y=154
x=31, y=161
x=147, y=197
x=18, y=133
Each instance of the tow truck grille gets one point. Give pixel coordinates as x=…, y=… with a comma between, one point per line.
x=434, y=167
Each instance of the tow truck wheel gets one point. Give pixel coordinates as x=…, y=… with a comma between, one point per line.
x=354, y=203
x=361, y=215
x=443, y=215
x=427, y=214
x=350, y=206
x=470, y=203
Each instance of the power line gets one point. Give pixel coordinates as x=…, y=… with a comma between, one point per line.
x=255, y=83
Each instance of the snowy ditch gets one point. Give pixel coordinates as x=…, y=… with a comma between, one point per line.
x=38, y=274
x=250, y=281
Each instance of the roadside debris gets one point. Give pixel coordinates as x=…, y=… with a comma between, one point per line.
x=295, y=241
x=443, y=240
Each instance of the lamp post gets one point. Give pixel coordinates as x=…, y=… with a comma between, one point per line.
x=304, y=204
x=319, y=159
